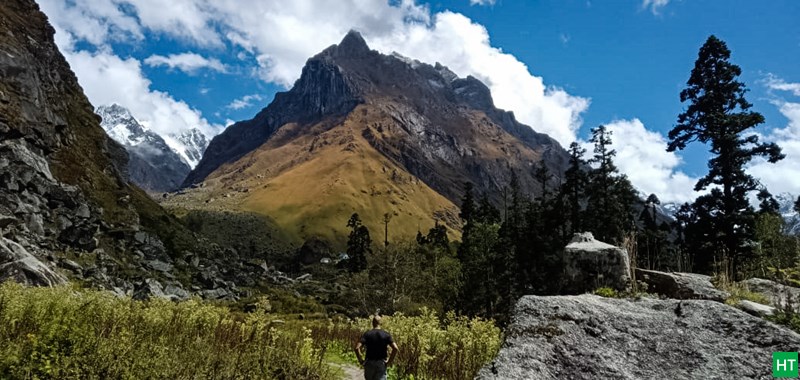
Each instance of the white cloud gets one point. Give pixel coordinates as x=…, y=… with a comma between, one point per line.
x=482, y=2
x=464, y=46
x=775, y=83
x=280, y=36
x=783, y=176
x=154, y=109
x=97, y=22
x=189, y=63
x=655, y=5
x=642, y=156
x=243, y=102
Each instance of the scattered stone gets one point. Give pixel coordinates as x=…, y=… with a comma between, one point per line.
x=216, y=294
x=159, y=266
x=147, y=289
x=681, y=285
x=779, y=295
x=591, y=337
x=176, y=293
x=70, y=265
x=17, y=264
x=757, y=309
x=590, y=264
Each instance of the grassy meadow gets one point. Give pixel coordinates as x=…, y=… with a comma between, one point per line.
x=64, y=333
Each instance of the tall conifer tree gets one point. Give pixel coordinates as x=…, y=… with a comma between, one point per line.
x=719, y=115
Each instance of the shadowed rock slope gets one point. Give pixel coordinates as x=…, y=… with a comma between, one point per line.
x=65, y=199
x=369, y=133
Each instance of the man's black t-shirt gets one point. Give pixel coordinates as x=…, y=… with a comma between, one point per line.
x=376, y=341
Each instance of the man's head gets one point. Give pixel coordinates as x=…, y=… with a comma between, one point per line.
x=376, y=321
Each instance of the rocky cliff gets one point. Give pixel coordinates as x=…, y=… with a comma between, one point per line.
x=65, y=200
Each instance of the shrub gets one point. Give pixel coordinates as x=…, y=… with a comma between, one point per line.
x=61, y=333
x=607, y=292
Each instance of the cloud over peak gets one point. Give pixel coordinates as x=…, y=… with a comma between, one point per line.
x=276, y=39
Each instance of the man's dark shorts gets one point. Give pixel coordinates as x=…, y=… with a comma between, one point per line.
x=375, y=370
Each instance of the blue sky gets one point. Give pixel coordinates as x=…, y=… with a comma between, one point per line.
x=561, y=66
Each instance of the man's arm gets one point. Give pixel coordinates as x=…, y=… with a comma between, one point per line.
x=392, y=355
x=358, y=353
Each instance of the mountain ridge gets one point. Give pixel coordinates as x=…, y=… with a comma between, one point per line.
x=428, y=129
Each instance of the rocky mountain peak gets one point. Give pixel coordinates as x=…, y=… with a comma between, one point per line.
x=115, y=114
x=353, y=45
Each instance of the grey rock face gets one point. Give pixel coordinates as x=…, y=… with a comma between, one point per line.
x=681, y=285
x=590, y=337
x=17, y=264
x=590, y=264
x=778, y=294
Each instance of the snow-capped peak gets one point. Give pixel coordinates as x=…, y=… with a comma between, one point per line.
x=123, y=127
x=189, y=144
x=120, y=125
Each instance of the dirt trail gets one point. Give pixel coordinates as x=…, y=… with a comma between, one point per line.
x=351, y=372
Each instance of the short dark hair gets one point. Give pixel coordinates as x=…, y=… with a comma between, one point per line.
x=376, y=320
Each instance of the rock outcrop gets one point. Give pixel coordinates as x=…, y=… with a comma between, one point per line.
x=17, y=264
x=779, y=295
x=682, y=286
x=590, y=337
x=590, y=264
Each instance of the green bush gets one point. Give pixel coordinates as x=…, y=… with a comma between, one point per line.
x=55, y=333
x=607, y=292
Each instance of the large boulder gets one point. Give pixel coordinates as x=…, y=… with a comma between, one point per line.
x=590, y=264
x=313, y=250
x=681, y=285
x=17, y=264
x=590, y=337
x=779, y=295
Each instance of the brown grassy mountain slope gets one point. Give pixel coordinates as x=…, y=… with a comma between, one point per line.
x=369, y=133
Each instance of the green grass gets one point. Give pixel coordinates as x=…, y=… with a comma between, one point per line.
x=54, y=333
x=62, y=332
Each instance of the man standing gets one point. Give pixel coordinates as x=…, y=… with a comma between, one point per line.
x=377, y=342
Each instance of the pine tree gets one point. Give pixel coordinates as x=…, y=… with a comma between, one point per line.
x=767, y=203
x=652, y=241
x=718, y=114
x=359, y=244
x=610, y=195
x=573, y=188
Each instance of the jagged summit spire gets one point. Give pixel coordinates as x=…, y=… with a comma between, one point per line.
x=353, y=44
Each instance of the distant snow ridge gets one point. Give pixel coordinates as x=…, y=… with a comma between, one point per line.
x=786, y=202
x=121, y=126
x=189, y=144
